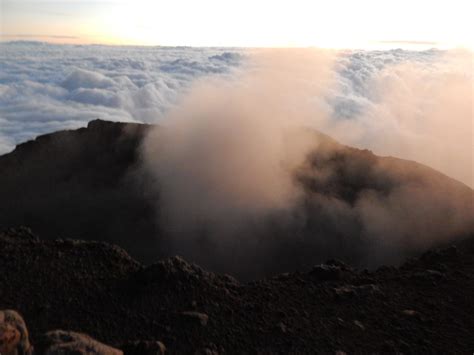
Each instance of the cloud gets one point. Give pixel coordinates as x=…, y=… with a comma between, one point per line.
x=224, y=143
x=46, y=87
x=418, y=108
x=80, y=78
x=402, y=42
x=232, y=141
x=241, y=180
x=38, y=36
x=381, y=97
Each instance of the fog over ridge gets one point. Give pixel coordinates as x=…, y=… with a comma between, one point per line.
x=240, y=171
x=394, y=102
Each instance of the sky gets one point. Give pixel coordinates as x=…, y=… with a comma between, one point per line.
x=243, y=23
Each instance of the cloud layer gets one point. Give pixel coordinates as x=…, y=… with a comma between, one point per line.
x=412, y=104
x=239, y=179
x=45, y=87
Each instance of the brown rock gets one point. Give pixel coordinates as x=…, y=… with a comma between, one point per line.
x=14, y=338
x=359, y=325
x=198, y=317
x=349, y=291
x=58, y=342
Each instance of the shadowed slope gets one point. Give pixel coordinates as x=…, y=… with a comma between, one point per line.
x=364, y=209
x=425, y=306
x=79, y=184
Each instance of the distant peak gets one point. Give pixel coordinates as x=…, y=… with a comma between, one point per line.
x=98, y=123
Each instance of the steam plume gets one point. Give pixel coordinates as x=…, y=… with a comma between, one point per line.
x=225, y=164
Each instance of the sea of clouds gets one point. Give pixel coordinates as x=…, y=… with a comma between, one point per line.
x=46, y=87
x=410, y=104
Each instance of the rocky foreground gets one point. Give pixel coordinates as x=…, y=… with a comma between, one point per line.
x=65, y=287
x=88, y=295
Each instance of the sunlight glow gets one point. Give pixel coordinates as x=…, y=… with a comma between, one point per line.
x=335, y=24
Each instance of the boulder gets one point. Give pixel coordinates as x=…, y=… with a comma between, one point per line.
x=59, y=342
x=195, y=317
x=14, y=339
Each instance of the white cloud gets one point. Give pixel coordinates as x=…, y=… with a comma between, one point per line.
x=80, y=78
x=46, y=87
x=412, y=105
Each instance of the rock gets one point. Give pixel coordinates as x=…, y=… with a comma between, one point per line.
x=59, y=342
x=14, y=339
x=9, y=339
x=140, y=347
x=206, y=351
x=282, y=327
x=349, y=291
x=338, y=263
x=172, y=270
x=19, y=234
x=359, y=325
x=210, y=349
x=431, y=275
x=439, y=255
x=325, y=272
x=409, y=312
x=200, y=318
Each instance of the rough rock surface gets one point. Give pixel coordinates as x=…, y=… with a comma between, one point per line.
x=425, y=306
x=14, y=338
x=143, y=347
x=78, y=184
x=60, y=342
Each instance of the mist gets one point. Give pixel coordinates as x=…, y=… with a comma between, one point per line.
x=244, y=183
x=421, y=111
x=227, y=141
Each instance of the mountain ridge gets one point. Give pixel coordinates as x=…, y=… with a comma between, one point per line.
x=89, y=184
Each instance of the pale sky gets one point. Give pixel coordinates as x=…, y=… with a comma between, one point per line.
x=243, y=23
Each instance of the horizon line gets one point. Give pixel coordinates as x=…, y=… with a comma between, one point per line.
x=4, y=40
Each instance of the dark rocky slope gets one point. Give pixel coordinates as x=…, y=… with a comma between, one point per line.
x=425, y=306
x=367, y=210
x=89, y=184
x=79, y=184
